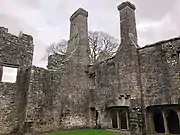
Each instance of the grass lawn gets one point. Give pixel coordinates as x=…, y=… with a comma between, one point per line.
x=84, y=132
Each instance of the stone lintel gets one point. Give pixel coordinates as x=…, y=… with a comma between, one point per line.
x=126, y=4
x=80, y=11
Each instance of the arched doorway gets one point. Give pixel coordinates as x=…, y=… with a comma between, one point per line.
x=119, y=117
x=158, y=122
x=173, y=122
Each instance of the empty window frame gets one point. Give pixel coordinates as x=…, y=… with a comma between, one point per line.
x=9, y=74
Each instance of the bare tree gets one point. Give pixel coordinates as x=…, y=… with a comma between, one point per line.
x=102, y=46
x=59, y=48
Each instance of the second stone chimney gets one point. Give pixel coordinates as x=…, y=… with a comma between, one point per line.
x=127, y=23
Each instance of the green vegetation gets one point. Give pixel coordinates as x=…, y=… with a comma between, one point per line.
x=84, y=132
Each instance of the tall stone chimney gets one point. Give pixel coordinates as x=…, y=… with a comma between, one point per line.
x=78, y=41
x=127, y=22
x=79, y=23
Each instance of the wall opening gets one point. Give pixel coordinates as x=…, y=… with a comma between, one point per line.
x=114, y=119
x=123, y=120
x=158, y=122
x=9, y=74
x=28, y=126
x=119, y=117
x=173, y=122
x=95, y=116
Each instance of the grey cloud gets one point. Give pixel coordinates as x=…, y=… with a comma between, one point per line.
x=29, y=3
x=154, y=9
x=13, y=24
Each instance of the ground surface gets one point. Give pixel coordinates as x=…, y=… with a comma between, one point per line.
x=85, y=132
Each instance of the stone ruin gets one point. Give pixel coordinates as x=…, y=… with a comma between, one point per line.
x=137, y=91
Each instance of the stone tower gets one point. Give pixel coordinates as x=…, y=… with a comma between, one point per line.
x=127, y=57
x=127, y=61
x=77, y=61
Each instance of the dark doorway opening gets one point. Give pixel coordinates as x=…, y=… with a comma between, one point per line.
x=94, y=116
x=96, y=119
x=114, y=120
x=123, y=120
x=158, y=122
x=173, y=122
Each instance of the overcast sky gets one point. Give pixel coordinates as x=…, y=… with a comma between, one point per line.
x=48, y=20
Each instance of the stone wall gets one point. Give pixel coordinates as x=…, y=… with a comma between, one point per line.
x=56, y=61
x=160, y=72
x=13, y=103
x=16, y=52
x=51, y=102
x=39, y=102
x=106, y=84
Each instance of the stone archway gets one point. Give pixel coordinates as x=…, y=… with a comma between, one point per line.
x=119, y=117
x=173, y=122
x=163, y=119
x=158, y=122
